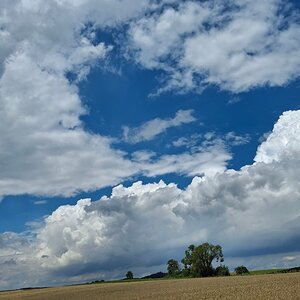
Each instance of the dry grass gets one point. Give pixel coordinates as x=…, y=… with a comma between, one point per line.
x=277, y=286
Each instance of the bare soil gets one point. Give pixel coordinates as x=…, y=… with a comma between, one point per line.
x=274, y=286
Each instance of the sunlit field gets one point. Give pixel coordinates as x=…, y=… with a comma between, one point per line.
x=271, y=286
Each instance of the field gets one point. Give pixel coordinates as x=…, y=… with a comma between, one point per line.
x=269, y=271
x=272, y=286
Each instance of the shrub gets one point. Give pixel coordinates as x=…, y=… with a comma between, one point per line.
x=240, y=270
x=222, y=271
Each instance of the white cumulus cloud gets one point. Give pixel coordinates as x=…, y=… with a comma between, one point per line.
x=44, y=148
x=235, y=45
x=284, y=140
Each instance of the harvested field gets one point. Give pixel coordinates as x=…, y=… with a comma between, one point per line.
x=275, y=286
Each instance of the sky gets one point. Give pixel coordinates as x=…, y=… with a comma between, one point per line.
x=131, y=129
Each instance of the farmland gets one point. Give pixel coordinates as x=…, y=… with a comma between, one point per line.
x=270, y=286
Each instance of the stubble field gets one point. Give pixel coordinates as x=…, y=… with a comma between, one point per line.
x=276, y=286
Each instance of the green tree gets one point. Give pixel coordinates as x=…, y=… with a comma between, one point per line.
x=198, y=260
x=240, y=270
x=129, y=275
x=173, y=267
x=187, y=260
x=222, y=270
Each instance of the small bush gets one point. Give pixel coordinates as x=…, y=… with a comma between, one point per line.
x=240, y=270
x=222, y=271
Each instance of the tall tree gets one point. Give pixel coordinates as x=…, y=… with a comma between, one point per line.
x=173, y=267
x=198, y=260
x=129, y=275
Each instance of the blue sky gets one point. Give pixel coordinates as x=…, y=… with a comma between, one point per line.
x=178, y=119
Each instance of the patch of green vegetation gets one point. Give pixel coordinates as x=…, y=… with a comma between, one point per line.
x=268, y=271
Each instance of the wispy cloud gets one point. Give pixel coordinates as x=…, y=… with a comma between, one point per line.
x=40, y=202
x=151, y=129
x=234, y=100
x=211, y=138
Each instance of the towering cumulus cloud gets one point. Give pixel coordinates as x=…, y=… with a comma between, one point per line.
x=257, y=206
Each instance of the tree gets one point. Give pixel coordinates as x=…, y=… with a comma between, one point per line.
x=198, y=260
x=222, y=270
x=129, y=275
x=240, y=270
x=173, y=267
x=187, y=259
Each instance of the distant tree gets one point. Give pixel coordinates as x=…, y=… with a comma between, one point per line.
x=198, y=260
x=173, y=267
x=222, y=270
x=129, y=275
x=240, y=270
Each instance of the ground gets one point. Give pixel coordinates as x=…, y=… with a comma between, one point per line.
x=271, y=286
